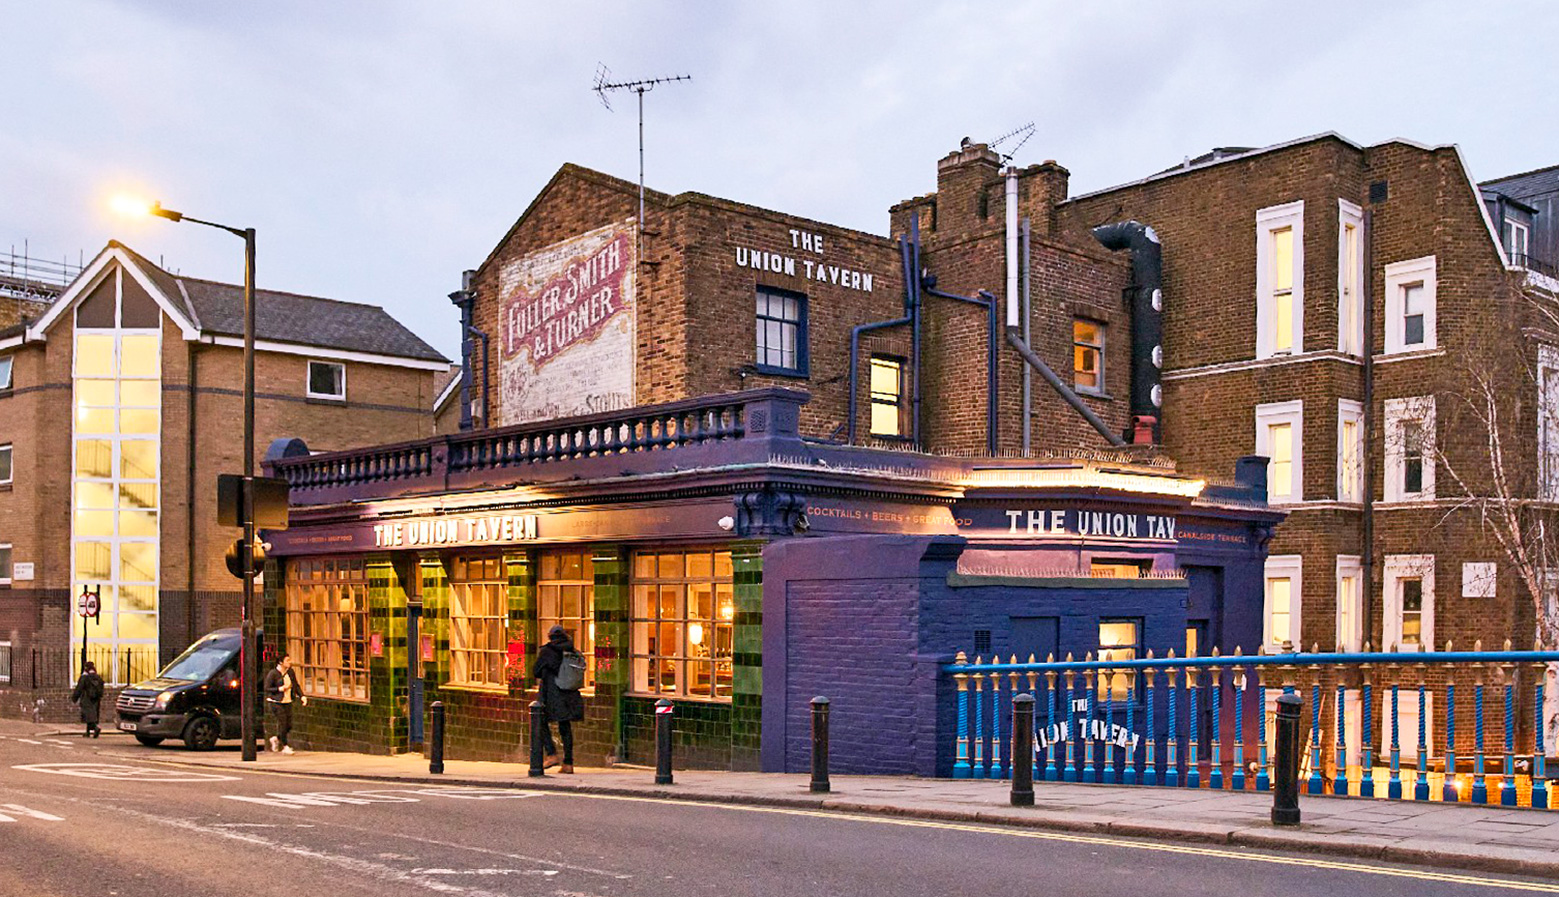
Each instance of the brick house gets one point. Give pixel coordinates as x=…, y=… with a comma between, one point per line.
x=119, y=406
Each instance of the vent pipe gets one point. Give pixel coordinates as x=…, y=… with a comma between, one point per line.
x=1147, y=325
x=1012, y=246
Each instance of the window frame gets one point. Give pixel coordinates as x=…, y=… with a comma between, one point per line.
x=1350, y=609
x=1269, y=221
x=900, y=406
x=1350, y=483
x=1117, y=693
x=1512, y=227
x=642, y=686
x=1290, y=567
x=8, y=670
x=308, y=380
x=1396, y=569
x=336, y=652
x=1417, y=409
x=803, y=357
x=7, y=372
x=586, y=582
x=8, y=565
x=1350, y=278
x=8, y=450
x=1098, y=352
x=1548, y=422
x=1399, y=277
x=1275, y=414
x=478, y=638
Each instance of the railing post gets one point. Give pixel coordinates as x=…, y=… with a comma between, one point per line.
x=1215, y=770
x=1507, y=785
x=1091, y=678
x=1150, y=723
x=1340, y=779
x=1448, y=792
x=996, y=768
x=1069, y=766
x=1022, y=751
x=1539, y=773
x=1285, y=791
x=1367, y=731
x=1317, y=781
x=1263, y=780
x=980, y=769
x=1171, y=749
x=663, y=741
x=1238, y=779
x=961, y=738
x=1480, y=790
x=1050, y=720
x=1193, y=771
x=820, y=745
x=1394, y=785
x=1421, y=784
x=538, y=734
x=1109, y=724
x=436, y=749
x=1129, y=774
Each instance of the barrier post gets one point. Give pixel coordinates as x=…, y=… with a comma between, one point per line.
x=1023, y=751
x=663, y=741
x=819, y=745
x=1285, y=788
x=436, y=751
x=538, y=734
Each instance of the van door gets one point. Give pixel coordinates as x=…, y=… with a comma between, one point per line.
x=414, y=673
x=223, y=691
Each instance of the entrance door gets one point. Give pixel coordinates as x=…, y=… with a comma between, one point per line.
x=414, y=672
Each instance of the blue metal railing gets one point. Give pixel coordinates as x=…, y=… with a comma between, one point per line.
x=1184, y=721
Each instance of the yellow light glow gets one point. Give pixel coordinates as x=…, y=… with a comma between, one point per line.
x=1085, y=478
x=727, y=612
x=130, y=206
x=695, y=633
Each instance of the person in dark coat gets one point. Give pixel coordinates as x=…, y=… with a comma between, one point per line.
x=561, y=706
x=282, y=690
x=89, y=694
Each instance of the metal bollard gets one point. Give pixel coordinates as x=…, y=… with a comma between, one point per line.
x=663, y=741
x=436, y=751
x=1023, y=751
x=538, y=734
x=1285, y=776
x=820, y=745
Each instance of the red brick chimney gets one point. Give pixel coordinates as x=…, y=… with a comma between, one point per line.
x=968, y=189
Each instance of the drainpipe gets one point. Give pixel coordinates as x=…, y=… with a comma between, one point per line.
x=989, y=303
x=910, y=317
x=912, y=297
x=464, y=299
x=1147, y=326
x=1028, y=373
x=486, y=407
x=1367, y=552
x=1016, y=341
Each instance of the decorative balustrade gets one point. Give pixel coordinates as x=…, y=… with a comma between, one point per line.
x=1184, y=721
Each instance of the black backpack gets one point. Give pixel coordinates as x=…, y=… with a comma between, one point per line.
x=571, y=672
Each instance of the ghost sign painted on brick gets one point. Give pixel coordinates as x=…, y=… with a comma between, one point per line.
x=567, y=328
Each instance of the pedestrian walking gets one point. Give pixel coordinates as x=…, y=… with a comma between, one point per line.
x=88, y=693
x=559, y=670
x=281, y=691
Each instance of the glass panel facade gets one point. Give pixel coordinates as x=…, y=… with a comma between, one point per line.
x=684, y=608
x=478, y=620
x=327, y=626
x=565, y=594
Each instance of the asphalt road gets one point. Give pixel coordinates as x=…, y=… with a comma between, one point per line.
x=108, y=818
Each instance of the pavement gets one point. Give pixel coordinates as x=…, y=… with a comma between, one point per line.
x=1497, y=839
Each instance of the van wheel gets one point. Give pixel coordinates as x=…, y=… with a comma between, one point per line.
x=201, y=733
x=148, y=740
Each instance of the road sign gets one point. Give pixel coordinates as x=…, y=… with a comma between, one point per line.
x=88, y=603
x=235, y=564
x=270, y=501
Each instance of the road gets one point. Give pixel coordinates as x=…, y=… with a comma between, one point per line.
x=108, y=818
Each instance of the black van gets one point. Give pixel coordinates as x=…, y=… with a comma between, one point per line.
x=194, y=698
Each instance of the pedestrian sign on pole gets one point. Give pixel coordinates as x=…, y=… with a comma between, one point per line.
x=88, y=603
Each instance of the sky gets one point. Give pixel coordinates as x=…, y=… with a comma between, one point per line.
x=381, y=148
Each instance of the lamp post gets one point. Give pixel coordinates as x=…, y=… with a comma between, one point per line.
x=246, y=550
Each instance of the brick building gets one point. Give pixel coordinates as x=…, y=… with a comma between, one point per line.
x=119, y=406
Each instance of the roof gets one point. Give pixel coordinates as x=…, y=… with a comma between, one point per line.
x=218, y=308
x=444, y=386
x=1529, y=183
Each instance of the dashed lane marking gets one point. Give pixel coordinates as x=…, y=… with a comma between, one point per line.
x=122, y=773
x=29, y=741
x=20, y=810
x=305, y=799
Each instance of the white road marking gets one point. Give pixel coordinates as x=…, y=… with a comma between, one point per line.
x=28, y=741
x=305, y=799
x=60, y=743
x=124, y=773
x=484, y=872
x=20, y=810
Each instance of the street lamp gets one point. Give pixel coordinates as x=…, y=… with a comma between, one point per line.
x=246, y=549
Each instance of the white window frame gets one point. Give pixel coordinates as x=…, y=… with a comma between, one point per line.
x=1292, y=413
x=1513, y=227
x=1400, y=276
x=1396, y=568
x=7, y=371
x=10, y=667
x=1480, y=579
x=9, y=450
x=1398, y=412
x=1350, y=279
x=1350, y=483
x=1547, y=424
x=1290, y=567
x=6, y=569
x=1269, y=220
x=308, y=381
x=1350, y=609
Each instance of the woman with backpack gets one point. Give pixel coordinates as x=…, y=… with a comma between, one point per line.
x=559, y=671
x=89, y=694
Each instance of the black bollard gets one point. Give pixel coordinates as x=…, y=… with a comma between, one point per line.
x=663, y=741
x=538, y=734
x=1285, y=777
x=1023, y=751
x=820, y=745
x=436, y=752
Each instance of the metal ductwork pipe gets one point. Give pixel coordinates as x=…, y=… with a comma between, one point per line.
x=1147, y=324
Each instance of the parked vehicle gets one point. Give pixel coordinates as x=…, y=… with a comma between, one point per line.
x=194, y=698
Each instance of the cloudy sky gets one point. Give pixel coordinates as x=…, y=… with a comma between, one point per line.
x=381, y=148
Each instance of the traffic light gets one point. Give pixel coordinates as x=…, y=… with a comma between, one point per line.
x=235, y=563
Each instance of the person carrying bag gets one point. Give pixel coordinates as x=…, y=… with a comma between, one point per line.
x=560, y=673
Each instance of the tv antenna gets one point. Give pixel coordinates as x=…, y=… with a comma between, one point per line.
x=1022, y=132
x=603, y=85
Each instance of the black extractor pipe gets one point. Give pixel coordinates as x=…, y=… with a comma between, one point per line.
x=1147, y=324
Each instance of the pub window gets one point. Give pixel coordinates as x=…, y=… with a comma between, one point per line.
x=1119, y=640
x=1088, y=356
x=5, y=372
x=684, y=606
x=478, y=618
x=327, y=380
x=782, y=332
x=327, y=626
x=1112, y=568
x=887, y=394
x=565, y=593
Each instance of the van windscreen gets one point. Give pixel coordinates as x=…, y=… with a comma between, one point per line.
x=199, y=663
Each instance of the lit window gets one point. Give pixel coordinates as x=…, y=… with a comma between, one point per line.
x=1279, y=428
x=1282, y=601
x=327, y=626
x=1410, y=449
x=1350, y=603
x=1516, y=241
x=327, y=380
x=565, y=594
x=1350, y=277
x=1410, y=305
x=1409, y=611
x=684, y=611
x=5, y=372
x=1280, y=280
x=478, y=621
x=1350, y=451
x=1119, y=640
x=887, y=395
x=1104, y=568
x=1088, y=356
x=782, y=332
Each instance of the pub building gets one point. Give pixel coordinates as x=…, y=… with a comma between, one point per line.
x=746, y=458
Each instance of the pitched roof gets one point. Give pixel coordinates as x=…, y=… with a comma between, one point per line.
x=1527, y=184
x=218, y=308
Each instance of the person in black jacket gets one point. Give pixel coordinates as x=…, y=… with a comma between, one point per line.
x=281, y=690
x=89, y=694
x=561, y=706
